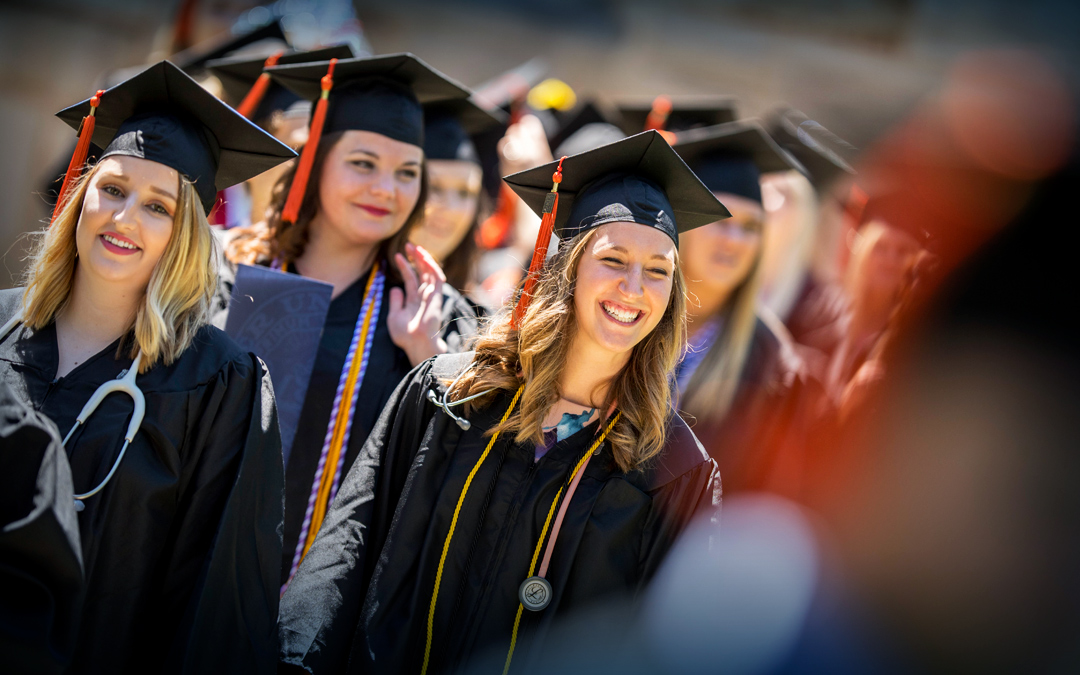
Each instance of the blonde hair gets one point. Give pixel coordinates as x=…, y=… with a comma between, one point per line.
x=711, y=389
x=535, y=356
x=177, y=299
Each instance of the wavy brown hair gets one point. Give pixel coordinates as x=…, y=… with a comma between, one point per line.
x=535, y=356
x=177, y=299
x=279, y=240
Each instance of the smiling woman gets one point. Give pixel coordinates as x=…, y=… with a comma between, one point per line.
x=451, y=544
x=120, y=287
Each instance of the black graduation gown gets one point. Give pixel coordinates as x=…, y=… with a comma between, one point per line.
x=359, y=602
x=40, y=555
x=181, y=548
x=387, y=366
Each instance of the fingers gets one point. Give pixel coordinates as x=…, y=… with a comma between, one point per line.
x=426, y=262
x=397, y=300
x=408, y=276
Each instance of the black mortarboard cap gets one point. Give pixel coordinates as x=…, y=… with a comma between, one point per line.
x=731, y=157
x=163, y=115
x=239, y=74
x=195, y=58
x=684, y=112
x=449, y=128
x=816, y=148
x=585, y=114
x=382, y=94
x=639, y=179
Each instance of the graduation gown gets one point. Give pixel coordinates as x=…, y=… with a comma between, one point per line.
x=40, y=555
x=387, y=365
x=181, y=547
x=759, y=443
x=360, y=600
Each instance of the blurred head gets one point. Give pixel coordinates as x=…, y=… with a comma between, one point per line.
x=452, y=206
x=881, y=261
x=719, y=257
x=138, y=226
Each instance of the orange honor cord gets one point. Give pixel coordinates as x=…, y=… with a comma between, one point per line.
x=258, y=90
x=450, y=533
x=307, y=156
x=543, y=239
x=82, y=149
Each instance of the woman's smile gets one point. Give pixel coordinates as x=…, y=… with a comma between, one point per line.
x=118, y=244
x=621, y=314
x=376, y=211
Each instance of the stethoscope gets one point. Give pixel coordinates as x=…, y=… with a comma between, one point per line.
x=123, y=384
x=442, y=402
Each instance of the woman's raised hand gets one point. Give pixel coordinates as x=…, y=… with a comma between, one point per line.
x=415, y=317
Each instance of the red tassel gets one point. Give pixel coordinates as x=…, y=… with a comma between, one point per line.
x=543, y=239
x=82, y=149
x=307, y=155
x=258, y=90
x=658, y=116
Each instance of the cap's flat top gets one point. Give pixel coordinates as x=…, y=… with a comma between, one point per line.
x=473, y=117
x=813, y=145
x=427, y=84
x=647, y=155
x=686, y=112
x=245, y=149
x=238, y=74
x=196, y=56
x=742, y=139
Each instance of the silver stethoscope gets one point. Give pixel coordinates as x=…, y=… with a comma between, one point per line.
x=123, y=384
x=441, y=402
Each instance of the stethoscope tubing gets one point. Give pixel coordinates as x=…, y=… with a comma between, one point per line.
x=124, y=384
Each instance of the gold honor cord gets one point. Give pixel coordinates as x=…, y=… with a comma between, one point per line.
x=450, y=534
x=543, y=533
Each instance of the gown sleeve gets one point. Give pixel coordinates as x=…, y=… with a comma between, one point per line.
x=321, y=608
x=687, y=487
x=237, y=483
x=40, y=553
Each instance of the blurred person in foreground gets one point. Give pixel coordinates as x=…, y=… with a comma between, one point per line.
x=742, y=386
x=946, y=536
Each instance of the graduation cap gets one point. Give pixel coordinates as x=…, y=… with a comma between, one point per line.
x=731, y=157
x=449, y=128
x=251, y=90
x=676, y=114
x=570, y=123
x=163, y=115
x=196, y=57
x=639, y=179
x=512, y=86
x=816, y=148
x=381, y=94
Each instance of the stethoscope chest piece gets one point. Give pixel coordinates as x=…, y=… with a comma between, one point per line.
x=535, y=593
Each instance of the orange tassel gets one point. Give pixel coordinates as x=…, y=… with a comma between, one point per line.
x=82, y=149
x=658, y=116
x=307, y=155
x=258, y=90
x=543, y=239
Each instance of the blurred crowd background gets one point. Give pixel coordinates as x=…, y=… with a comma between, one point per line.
x=931, y=522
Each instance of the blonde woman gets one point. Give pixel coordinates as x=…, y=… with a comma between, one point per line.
x=563, y=476
x=742, y=386
x=178, y=485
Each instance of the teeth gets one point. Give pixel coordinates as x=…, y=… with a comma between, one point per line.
x=116, y=242
x=620, y=315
